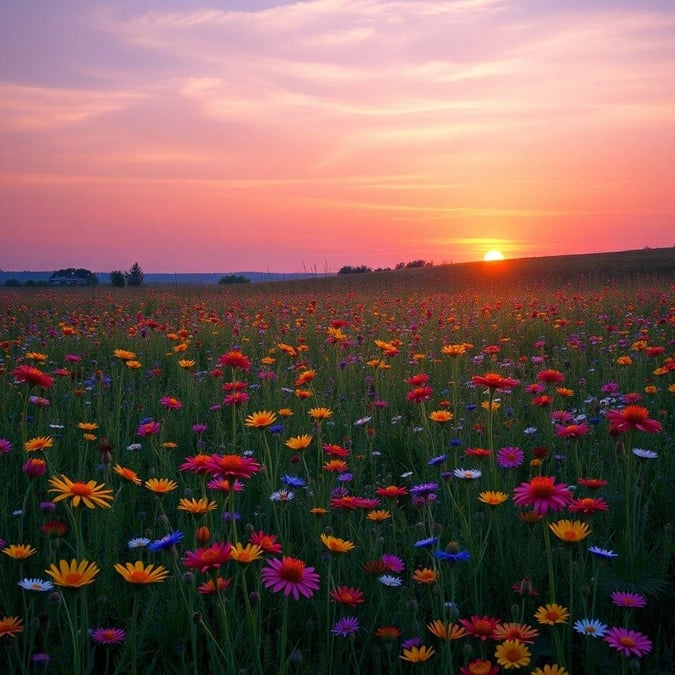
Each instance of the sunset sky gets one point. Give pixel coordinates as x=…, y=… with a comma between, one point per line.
x=196, y=136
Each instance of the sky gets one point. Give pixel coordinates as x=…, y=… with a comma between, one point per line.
x=197, y=136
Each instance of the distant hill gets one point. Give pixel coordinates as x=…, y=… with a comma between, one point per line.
x=196, y=278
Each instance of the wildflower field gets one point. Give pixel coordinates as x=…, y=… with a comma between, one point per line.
x=359, y=477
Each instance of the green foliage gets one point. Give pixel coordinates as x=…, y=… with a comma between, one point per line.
x=358, y=269
x=117, y=279
x=72, y=276
x=12, y=283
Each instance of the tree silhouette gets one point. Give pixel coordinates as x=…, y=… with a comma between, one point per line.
x=117, y=278
x=135, y=275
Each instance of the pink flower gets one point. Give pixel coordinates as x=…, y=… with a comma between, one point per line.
x=632, y=417
x=542, y=494
x=170, y=403
x=147, y=428
x=291, y=576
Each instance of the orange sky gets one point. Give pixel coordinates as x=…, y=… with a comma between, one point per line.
x=280, y=136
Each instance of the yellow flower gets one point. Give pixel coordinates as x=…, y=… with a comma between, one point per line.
x=138, y=573
x=299, y=442
x=197, y=507
x=246, y=554
x=186, y=363
x=492, y=498
x=440, y=416
x=512, y=654
x=455, y=350
x=496, y=405
x=551, y=614
x=260, y=420
x=446, y=631
x=160, y=486
x=554, y=669
x=19, y=551
x=425, y=576
x=39, y=443
x=90, y=493
x=417, y=654
x=10, y=625
x=335, y=544
x=124, y=355
x=570, y=531
x=73, y=574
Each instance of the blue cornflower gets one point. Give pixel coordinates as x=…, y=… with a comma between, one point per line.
x=426, y=543
x=455, y=442
x=345, y=477
x=276, y=428
x=453, y=557
x=437, y=460
x=167, y=541
x=602, y=552
x=293, y=481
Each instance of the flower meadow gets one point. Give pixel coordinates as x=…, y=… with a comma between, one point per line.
x=302, y=479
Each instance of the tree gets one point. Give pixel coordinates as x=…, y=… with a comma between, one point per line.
x=233, y=279
x=72, y=276
x=352, y=269
x=135, y=275
x=117, y=279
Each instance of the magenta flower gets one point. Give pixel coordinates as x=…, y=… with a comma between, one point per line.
x=628, y=642
x=542, y=493
x=392, y=562
x=170, y=403
x=5, y=445
x=148, y=428
x=291, y=576
x=632, y=417
x=510, y=458
x=108, y=636
x=625, y=599
x=210, y=557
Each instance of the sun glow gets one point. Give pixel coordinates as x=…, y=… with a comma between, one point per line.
x=493, y=255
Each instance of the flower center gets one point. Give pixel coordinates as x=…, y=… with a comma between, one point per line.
x=627, y=641
x=80, y=489
x=542, y=487
x=292, y=569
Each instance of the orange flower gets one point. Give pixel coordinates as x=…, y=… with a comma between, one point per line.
x=39, y=443
x=440, y=416
x=570, y=531
x=260, y=420
x=299, y=442
x=138, y=573
x=425, y=576
x=10, y=626
x=492, y=498
x=160, y=486
x=446, y=631
x=320, y=414
x=19, y=551
x=335, y=544
x=551, y=614
x=127, y=474
x=378, y=515
x=124, y=355
x=197, y=507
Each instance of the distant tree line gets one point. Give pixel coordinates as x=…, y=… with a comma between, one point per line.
x=233, y=279
x=72, y=276
x=134, y=276
x=360, y=269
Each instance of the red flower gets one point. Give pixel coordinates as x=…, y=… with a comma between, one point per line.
x=419, y=394
x=211, y=557
x=632, y=417
x=235, y=359
x=572, y=430
x=480, y=626
x=233, y=465
x=550, y=376
x=267, y=542
x=33, y=377
x=494, y=381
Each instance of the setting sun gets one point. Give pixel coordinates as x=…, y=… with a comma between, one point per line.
x=493, y=255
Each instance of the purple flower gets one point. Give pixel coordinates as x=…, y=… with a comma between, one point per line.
x=345, y=626
x=5, y=445
x=108, y=636
x=423, y=489
x=624, y=599
x=628, y=642
x=393, y=562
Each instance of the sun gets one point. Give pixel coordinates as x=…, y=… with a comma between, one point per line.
x=493, y=255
